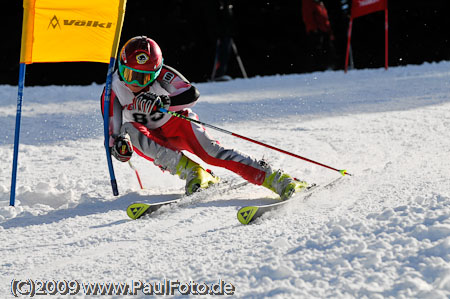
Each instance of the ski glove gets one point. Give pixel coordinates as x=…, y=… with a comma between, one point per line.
x=149, y=102
x=122, y=148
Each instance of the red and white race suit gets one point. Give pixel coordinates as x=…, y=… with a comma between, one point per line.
x=160, y=137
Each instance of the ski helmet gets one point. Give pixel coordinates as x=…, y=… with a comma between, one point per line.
x=140, y=61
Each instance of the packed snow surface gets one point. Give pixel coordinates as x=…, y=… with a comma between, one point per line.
x=383, y=232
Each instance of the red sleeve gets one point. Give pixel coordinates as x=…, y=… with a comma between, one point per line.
x=181, y=92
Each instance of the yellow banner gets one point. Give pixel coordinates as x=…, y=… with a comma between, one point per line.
x=71, y=30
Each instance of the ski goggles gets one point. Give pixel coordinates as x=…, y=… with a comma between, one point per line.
x=134, y=76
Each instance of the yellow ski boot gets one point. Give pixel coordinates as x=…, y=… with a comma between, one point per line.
x=197, y=178
x=283, y=184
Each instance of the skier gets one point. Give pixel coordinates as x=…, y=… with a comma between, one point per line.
x=320, y=37
x=143, y=84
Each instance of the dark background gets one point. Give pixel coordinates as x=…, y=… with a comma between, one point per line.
x=270, y=36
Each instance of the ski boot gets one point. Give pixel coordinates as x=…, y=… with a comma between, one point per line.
x=197, y=178
x=283, y=184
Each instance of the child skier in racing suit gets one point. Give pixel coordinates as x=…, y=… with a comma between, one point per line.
x=143, y=84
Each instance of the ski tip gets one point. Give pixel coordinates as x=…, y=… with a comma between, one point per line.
x=245, y=214
x=136, y=210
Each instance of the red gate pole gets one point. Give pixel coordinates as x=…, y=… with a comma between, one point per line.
x=349, y=37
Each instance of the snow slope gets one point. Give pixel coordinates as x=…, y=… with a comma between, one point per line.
x=382, y=233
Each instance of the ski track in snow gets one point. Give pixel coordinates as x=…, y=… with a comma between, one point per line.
x=382, y=233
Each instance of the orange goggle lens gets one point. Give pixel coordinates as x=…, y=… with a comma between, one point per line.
x=134, y=76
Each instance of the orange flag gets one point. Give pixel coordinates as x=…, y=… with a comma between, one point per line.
x=71, y=30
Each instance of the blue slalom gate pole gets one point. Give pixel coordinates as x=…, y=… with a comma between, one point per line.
x=17, y=133
x=106, y=124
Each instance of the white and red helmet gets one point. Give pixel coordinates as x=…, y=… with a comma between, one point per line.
x=140, y=61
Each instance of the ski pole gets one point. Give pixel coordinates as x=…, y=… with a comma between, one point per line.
x=137, y=174
x=341, y=171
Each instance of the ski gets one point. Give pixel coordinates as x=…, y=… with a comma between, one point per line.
x=248, y=214
x=139, y=209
